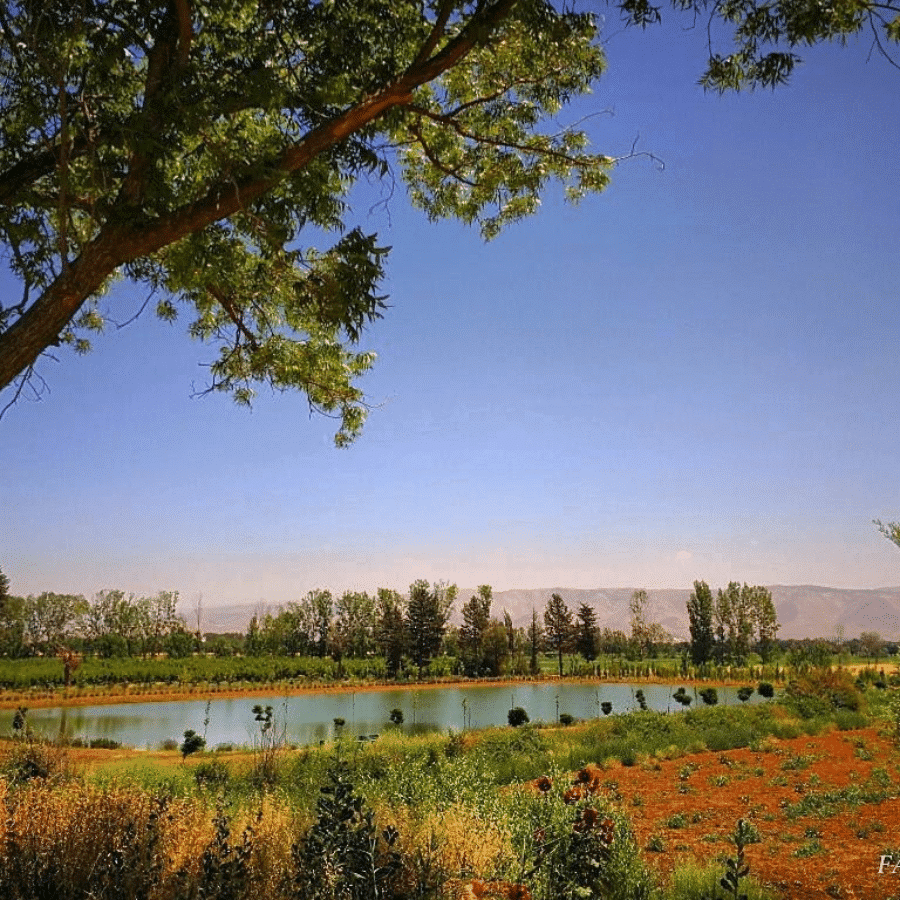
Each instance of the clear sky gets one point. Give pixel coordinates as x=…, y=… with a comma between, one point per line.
x=693, y=375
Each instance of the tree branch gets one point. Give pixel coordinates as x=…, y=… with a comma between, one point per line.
x=122, y=240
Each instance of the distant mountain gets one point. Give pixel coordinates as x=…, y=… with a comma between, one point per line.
x=804, y=611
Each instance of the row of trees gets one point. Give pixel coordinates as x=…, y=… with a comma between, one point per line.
x=111, y=624
x=740, y=619
x=357, y=624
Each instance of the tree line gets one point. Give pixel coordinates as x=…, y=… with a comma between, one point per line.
x=412, y=632
x=111, y=624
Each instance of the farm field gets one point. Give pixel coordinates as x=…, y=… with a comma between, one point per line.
x=825, y=807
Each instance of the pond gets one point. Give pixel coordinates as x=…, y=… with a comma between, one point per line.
x=309, y=718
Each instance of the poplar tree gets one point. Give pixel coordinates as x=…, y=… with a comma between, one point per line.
x=700, y=620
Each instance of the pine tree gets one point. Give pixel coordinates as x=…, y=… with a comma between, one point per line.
x=558, y=623
x=586, y=632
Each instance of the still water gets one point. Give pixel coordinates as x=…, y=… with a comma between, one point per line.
x=309, y=718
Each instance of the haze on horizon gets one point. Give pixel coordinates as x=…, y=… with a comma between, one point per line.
x=691, y=376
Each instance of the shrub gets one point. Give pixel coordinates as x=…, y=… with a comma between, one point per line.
x=191, y=744
x=566, y=719
x=822, y=692
x=683, y=697
x=745, y=693
x=397, y=716
x=710, y=696
x=517, y=716
x=606, y=706
x=31, y=760
x=343, y=855
x=765, y=689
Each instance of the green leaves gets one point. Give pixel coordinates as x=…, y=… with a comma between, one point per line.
x=764, y=33
x=204, y=150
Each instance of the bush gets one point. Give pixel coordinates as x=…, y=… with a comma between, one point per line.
x=822, y=692
x=517, y=716
x=606, y=706
x=710, y=696
x=191, y=744
x=745, y=693
x=397, y=716
x=566, y=719
x=31, y=760
x=765, y=689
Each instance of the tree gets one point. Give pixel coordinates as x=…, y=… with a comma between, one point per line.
x=641, y=637
x=871, y=644
x=192, y=743
x=476, y=615
x=517, y=717
x=558, y=626
x=355, y=622
x=427, y=613
x=49, y=616
x=12, y=621
x=765, y=621
x=390, y=628
x=192, y=146
x=317, y=609
x=535, y=636
x=891, y=530
x=700, y=620
x=766, y=33
x=586, y=632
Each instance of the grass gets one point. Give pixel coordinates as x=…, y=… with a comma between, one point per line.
x=455, y=802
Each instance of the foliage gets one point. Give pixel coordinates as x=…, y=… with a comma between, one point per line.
x=682, y=696
x=821, y=692
x=765, y=35
x=192, y=743
x=765, y=689
x=476, y=614
x=191, y=148
x=397, y=716
x=736, y=869
x=891, y=530
x=586, y=632
x=710, y=696
x=343, y=856
x=427, y=613
x=29, y=760
x=558, y=626
x=745, y=693
x=517, y=716
x=700, y=619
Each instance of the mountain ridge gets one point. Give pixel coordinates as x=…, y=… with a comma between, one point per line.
x=804, y=611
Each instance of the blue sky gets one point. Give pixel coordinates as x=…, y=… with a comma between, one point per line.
x=692, y=375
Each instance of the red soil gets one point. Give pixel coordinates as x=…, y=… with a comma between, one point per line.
x=830, y=856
